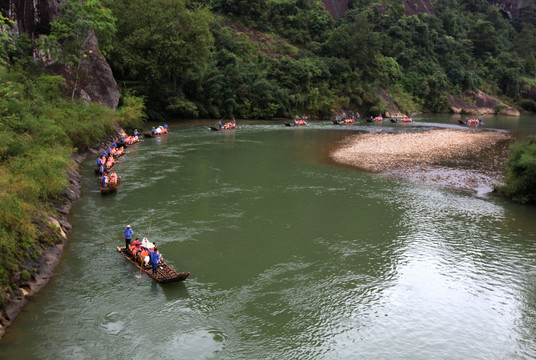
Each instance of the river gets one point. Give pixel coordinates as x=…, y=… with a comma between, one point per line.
x=291, y=257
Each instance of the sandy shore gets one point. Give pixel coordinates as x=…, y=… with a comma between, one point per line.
x=417, y=155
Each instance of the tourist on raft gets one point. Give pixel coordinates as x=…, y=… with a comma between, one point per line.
x=104, y=180
x=230, y=125
x=135, y=247
x=113, y=178
x=155, y=259
x=136, y=133
x=300, y=122
x=131, y=140
x=110, y=162
x=127, y=234
x=159, y=130
x=147, y=252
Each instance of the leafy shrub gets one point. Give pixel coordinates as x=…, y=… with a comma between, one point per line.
x=132, y=112
x=528, y=105
x=25, y=275
x=521, y=172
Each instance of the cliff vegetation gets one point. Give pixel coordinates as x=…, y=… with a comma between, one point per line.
x=41, y=127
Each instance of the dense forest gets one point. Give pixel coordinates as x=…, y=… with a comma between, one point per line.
x=254, y=59
x=276, y=58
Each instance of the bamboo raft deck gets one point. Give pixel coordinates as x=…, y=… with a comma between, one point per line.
x=110, y=187
x=165, y=273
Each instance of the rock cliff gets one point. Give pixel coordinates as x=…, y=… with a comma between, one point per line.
x=479, y=103
x=33, y=17
x=513, y=8
x=336, y=8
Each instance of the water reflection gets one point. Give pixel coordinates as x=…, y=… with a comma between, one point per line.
x=290, y=257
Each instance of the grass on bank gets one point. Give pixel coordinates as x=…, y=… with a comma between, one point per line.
x=39, y=131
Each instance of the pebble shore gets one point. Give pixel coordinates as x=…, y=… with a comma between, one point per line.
x=413, y=154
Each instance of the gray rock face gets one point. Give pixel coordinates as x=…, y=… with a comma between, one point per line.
x=513, y=8
x=336, y=8
x=33, y=17
x=479, y=103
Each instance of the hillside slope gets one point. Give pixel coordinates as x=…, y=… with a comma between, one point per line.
x=510, y=8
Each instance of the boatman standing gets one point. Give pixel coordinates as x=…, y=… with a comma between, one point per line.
x=155, y=259
x=127, y=234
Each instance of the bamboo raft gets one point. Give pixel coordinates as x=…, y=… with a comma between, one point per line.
x=213, y=128
x=289, y=124
x=344, y=122
x=106, y=169
x=110, y=187
x=165, y=273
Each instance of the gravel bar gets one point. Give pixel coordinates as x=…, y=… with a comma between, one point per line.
x=387, y=152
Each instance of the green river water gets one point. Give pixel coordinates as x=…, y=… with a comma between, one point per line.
x=291, y=257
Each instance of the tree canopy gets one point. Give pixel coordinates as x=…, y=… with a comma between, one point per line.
x=266, y=58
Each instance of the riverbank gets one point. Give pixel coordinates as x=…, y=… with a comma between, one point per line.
x=45, y=264
x=431, y=156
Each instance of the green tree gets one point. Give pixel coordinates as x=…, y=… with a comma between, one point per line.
x=530, y=65
x=5, y=39
x=483, y=35
x=161, y=50
x=521, y=172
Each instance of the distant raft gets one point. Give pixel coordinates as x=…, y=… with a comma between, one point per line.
x=227, y=126
x=296, y=123
x=344, y=121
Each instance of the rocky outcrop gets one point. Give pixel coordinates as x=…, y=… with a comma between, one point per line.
x=392, y=109
x=33, y=17
x=513, y=8
x=479, y=103
x=30, y=17
x=415, y=7
x=528, y=93
x=336, y=8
